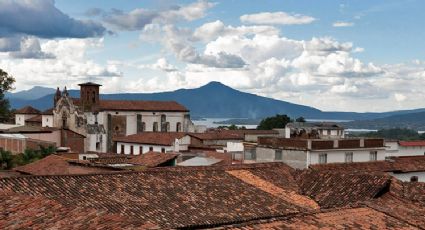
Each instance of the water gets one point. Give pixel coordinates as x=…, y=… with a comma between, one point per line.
x=209, y=122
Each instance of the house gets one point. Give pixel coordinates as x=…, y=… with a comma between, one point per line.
x=25, y=113
x=152, y=141
x=17, y=143
x=301, y=153
x=53, y=136
x=323, y=130
x=405, y=148
x=253, y=196
x=405, y=168
x=103, y=120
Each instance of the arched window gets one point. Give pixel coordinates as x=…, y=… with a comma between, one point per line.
x=178, y=127
x=155, y=127
x=167, y=125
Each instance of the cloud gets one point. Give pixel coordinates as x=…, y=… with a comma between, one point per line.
x=278, y=18
x=70, y=67
x=8, y=44
x=400, y=97
x=212, y=30
x=42, y=19
x=137, y=19
x=30, y=49
x=342, y=24
x=162, y=65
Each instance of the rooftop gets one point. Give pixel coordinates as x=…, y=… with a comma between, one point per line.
x=27, y=110
x=154, y=138
x=153, y=159
x=36, y=118
x=130, y=105
x=268, y=195
x=412, y=143
x=89, y=84
x=318, y=125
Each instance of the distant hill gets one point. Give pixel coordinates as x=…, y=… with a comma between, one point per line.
x=31, y=94
x=415, y=121
x=220, y=101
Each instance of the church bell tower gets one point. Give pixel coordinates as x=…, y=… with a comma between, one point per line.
x=89, y=96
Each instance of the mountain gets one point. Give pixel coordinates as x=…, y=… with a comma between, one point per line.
x=217, y=100
x=33, y=93
x=415, y=121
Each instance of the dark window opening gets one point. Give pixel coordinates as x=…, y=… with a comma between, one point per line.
x=151, y=149
x=131, y=150
x=122, y=149
x=141, y=150
x=162, y=150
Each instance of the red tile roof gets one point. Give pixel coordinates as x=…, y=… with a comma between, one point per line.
x=27, y=110
x=222, y=134
x=153, y=159
x=256, y=196
x=394, y=164
x=153, y=138
x=411, y=143
x=130, y=105
x=57, y=165
x=48, y=112
x=37, y=119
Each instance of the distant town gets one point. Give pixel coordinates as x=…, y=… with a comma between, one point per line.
x=72, y=160
x=212, y=114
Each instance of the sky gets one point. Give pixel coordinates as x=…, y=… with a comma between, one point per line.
x=332, y=55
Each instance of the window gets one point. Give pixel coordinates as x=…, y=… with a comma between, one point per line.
x=131, y=150
x=151, y=149
x=178, y=127
x=141, y=150
x=323, y=158
x=84, y=158
x=348, y=157
x=373, y=155
x=155, y=127
x=162, y=150
x=278, y=154
x=97, y=145
x=414, y=179
x=122, y=149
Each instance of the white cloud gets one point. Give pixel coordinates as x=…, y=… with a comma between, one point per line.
x=278, y=18
x=137, y=19
x=30, y=49
x=400, y=97
x=342, y=24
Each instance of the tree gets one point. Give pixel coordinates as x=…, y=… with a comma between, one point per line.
x=300, y=119
x=6, y=159
x=278, y=121
x=6, y=84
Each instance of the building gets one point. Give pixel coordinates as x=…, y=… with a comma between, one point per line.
x=301, y=153
x=102, y=120
x=17, y=143
x=404, y=148
x=407, y=168
x=25, y=113
x=322, y=130
x=254, y=196
x=152, y=141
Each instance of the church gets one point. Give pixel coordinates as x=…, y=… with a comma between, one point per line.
x=102, y=120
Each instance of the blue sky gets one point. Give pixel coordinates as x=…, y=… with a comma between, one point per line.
x=333, y=55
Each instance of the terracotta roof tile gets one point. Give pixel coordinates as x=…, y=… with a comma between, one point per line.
x=154, y=138
x=411, y=143
x=27, y=110
x=37, y=118
x=48, y=112
x=153, y=159
x=57, y=165
x=130, y=105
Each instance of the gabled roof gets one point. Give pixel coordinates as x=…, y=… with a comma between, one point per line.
x=37, y=118
x=57, y=165
x=27, y=110
x=152, y=138
x=132, y=105
x=48, y=112
x=153, y=159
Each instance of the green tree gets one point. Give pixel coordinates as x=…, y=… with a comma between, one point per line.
x=300, y=119
x=278, y=121
x=6, y=84
x=6, y=159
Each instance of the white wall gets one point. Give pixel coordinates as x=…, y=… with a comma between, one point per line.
x=20, y=118
x=47, y=120
x=338, y=156
x=136, y=148
x=395, y=150
x=407, y=176
x=234, y=147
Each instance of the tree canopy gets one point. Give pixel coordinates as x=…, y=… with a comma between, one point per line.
x=300, y=119
x=6, y=84
x=278, y=121
x=396, y=134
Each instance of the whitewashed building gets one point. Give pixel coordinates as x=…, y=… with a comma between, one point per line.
x=141, y=143
x=25, y=113
x=301, y=153
x=405, y=148
x=102, y=120
x=322, y=130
